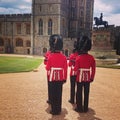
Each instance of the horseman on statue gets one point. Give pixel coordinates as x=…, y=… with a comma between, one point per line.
x=99, y=21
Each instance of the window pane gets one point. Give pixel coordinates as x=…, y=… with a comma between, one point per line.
x=19, y=42
x=28, y=44
x=50, y=27
x=27, y=28
x=1, y=42
x=41, y=27
x=0, y=28
x=19, y=28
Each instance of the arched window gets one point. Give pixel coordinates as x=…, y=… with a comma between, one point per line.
x=19, y=42
x=1, y=42
x=50, y=27
x=28, y=43
x=49, y=7
x=19, y=27
x=0, y=28
x=40, y=8
x=82, y=14
x=63, y=26
x=44, y=50
x=63, y=22
x=28, y=28
x=41, y=27
x=66, y=52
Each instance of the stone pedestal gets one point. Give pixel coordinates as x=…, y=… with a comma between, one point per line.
x=101, y=40
x=102, y=44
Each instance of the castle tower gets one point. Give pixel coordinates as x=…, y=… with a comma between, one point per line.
x=80, y=17
x=48, y=17
x=70, y=18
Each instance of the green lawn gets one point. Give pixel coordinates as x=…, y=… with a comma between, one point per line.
x=18, y=64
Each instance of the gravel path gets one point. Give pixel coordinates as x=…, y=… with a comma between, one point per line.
x=23, y=97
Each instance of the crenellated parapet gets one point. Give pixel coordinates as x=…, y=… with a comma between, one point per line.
x=15, y=15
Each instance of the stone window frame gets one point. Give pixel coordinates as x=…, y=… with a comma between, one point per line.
x=28, y=28
x=28, y=43
x=64, y=26
x=44, y=50
x=50, y=7
x=1, y=41
x=0, y=28
x=19, y=42
x=40, y=27
x=40, y=8
x=18, y=28
x=50, y=24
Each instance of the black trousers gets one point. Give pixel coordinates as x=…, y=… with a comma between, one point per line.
x=72, y=88
x=49, y=92
x=82, y=95
x=56, y=96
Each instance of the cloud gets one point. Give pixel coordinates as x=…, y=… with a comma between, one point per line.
x=110, y=10
x=15, y=6
x=29, y=1
x=113, y=19
x=115, y=5
x=13, y=11
x=101, y=7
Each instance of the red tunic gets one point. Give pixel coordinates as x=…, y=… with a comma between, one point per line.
x=85, y=67
x=46, y=56
x=72, y=63
x=57, y=65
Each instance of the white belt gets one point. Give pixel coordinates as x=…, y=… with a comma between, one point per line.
x=51, y=73
x=81, y=73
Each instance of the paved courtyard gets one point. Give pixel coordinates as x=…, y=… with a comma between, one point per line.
x=23, y=97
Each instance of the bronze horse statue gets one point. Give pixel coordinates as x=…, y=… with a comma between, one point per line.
x=99, y=22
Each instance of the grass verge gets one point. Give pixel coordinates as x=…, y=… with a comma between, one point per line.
x=10, y=64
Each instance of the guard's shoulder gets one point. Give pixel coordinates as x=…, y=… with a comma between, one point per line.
x=91, y=56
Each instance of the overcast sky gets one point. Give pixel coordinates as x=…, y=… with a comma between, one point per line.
x=109, y=8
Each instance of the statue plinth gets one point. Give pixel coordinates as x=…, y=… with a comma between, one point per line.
x=101, y=40
x=102, y=46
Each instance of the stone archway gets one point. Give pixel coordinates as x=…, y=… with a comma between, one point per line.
x=8, y=46
x=44, y=50
x=66, y=52
x=2, y=45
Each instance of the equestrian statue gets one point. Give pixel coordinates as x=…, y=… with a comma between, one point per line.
x=99, y=21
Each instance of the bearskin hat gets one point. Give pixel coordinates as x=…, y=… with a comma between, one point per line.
x=56, y=42
x=84, y=44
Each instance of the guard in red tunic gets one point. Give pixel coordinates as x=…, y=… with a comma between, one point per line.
x=57, y=66
x=72, y=75
x=85, y=68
